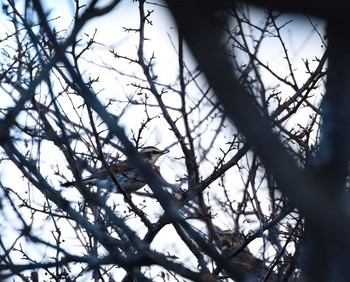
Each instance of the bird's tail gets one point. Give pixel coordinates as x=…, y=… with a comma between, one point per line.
x=68, y=184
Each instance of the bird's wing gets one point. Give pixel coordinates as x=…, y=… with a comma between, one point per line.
x=103, y=173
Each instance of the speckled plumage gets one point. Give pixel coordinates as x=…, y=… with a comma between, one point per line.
x=128, y=177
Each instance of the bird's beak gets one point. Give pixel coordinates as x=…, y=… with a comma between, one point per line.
x=165, y=152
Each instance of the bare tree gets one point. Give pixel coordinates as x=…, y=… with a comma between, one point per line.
x=256, y=176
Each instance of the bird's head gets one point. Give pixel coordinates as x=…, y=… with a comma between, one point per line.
x=151, y=154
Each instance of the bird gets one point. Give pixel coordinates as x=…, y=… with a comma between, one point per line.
x=127, y=175
x=229, y=242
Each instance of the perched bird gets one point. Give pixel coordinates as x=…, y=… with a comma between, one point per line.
x=127, y=175
x=255, y=268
